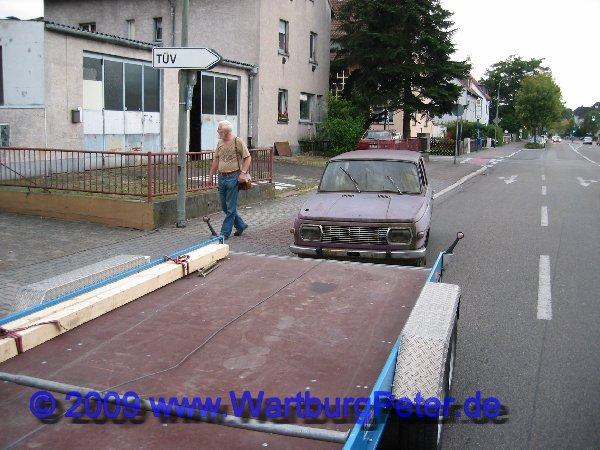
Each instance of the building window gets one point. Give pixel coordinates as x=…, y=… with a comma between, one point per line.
x=158, y=29
x=313, y=48
x=92, y=84
x=130, y=29
x=133, y=87
x=232, y=91
x=113, y=85
x=220, y=96
x=1, y=80
x=151, y=89
x=319, y=109
x=282, y=106
x=208, y=94
x=306, y=103
x=120, y=85
x=88, y=26
x=283, y=36
x=383, y=115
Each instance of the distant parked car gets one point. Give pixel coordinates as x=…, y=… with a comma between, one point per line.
x=556, y=138
x=376, y=139
x=371, y=204
x=587, y=140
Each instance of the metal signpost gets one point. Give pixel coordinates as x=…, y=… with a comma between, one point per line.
x=188, y=61
x=458, y=111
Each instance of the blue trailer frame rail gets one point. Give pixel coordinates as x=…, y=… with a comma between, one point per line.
x=110, y=279
x=368, y=434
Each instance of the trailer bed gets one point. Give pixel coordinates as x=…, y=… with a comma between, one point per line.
x=322, y=325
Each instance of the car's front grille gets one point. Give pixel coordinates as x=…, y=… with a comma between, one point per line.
x=354, y=235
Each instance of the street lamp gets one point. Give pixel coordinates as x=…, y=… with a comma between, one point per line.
x=496, y=120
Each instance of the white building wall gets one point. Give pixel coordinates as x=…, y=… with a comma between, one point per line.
x=23, y=62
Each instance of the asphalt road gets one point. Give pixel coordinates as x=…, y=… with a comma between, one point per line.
x=533, y=345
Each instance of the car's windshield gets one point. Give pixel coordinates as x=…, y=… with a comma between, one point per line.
x=371, y=176
x=377, y=135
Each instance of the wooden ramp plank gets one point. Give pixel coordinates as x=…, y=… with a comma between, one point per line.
x=90, y=305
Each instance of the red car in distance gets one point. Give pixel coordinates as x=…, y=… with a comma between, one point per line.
x=378, y=139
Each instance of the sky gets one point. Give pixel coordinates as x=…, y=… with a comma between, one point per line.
x=564, y=33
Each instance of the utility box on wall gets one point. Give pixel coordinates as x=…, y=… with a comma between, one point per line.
x=76, y=115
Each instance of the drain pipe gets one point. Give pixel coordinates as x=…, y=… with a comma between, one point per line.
x=251, y=74
x=172, y=4
x=319, y=434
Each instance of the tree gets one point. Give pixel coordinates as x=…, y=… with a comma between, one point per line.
x=343, y=124
x=591, y=123
x=510, y=73
x=538, y=102
x=398, y=55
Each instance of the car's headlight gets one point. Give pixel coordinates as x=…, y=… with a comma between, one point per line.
x=311, y=232
x=399, y=236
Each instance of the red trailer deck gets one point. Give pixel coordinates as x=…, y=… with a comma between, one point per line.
x=281, y=325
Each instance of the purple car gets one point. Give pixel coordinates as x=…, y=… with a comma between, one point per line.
x=371, y=204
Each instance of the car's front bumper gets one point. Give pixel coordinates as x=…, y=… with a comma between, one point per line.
x=353, y=253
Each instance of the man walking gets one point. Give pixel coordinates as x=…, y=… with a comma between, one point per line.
x=232, y=160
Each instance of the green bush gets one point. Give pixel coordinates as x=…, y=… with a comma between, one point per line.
x=469, y=130
x=343, y=125
x=534, y=145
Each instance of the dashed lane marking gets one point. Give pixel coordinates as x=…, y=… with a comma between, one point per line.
x=544, y=304
x=544, y=219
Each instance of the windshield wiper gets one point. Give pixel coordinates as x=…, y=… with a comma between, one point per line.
x=353, y=180
x=395, y=185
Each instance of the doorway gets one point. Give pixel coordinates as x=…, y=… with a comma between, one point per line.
x=216, y=98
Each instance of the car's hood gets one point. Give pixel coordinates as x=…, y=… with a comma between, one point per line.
x=365, y=207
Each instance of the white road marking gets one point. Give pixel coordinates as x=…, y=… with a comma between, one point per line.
x=544, y=305
x=510, y=179
x=544, y=221
x=459, y=182
x=543, y=177
x=583, y=156
x=585, y=183
x=467, y=177
x=465, y=160
x=543, y=190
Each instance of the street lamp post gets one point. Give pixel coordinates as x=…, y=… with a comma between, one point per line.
x=496, y=121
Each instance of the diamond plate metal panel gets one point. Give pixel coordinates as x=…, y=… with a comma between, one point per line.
x=424, y=342
x=36, y=293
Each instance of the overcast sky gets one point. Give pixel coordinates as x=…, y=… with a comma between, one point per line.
x=565, y=33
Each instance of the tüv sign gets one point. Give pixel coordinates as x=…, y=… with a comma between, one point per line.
x=184, y=58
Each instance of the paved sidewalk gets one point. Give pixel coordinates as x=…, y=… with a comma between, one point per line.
x=35, y=248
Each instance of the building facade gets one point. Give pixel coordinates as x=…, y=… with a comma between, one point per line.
x=65, y=87
x=476, y=103
x=283, y=45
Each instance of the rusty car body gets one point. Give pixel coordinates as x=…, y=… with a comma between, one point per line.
x=370, y=204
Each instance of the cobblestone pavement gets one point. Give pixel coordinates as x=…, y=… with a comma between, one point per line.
x=34, y=248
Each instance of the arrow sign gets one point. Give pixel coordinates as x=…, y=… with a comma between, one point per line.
x=510, y=179
x=585, y=183
x=184, y=58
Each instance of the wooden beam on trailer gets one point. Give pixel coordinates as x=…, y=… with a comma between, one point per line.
x=90, y=305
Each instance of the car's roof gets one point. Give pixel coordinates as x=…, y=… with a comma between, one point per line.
x=399, y=155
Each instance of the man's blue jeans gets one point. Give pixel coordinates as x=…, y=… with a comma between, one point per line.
x=228, y=193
